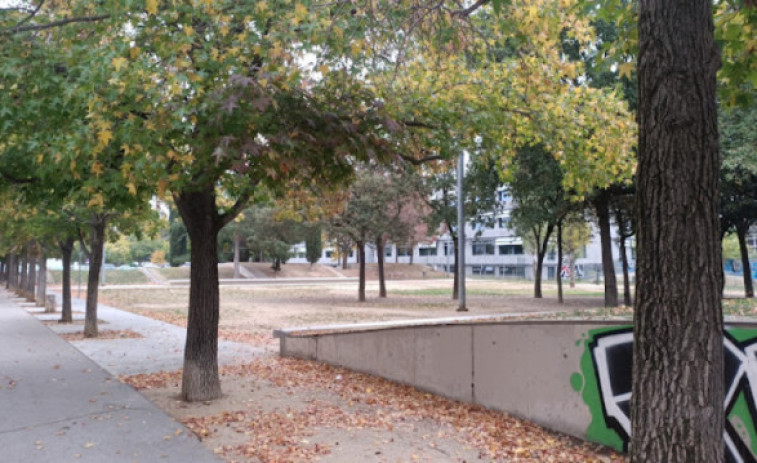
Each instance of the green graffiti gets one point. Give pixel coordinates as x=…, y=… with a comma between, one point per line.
x=610, y=422
x=741, y=419
x=597, y=430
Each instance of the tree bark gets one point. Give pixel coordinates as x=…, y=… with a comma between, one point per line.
x=602, y=207
x=361, y=279
x=380, y=260
x=559, y=263
x=741, y=232
x=66, y=249
x=677, y=403
x=41, y=279
x=96, y=246
x=199, y=213
x=541, y=252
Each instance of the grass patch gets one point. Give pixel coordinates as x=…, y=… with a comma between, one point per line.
x=173, y=273
x=112, y=277
x=740, y=307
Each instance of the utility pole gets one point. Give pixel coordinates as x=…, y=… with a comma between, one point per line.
x=461, y=234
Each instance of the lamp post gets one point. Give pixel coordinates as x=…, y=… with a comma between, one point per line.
x=461, y=235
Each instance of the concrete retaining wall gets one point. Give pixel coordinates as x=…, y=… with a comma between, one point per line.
x=523, y=368
x=569, y=376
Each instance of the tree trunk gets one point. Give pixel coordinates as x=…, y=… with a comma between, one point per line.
x=572, y=263
x=741, y=232
x=237, y=246
x=541, y=252
x=96, y=247
x=455, y=279
x=12, y=271
x=677, y=410
x=559, y=263
x=608, y=266
x=626, y=280
x=66, y=249
x=41, y=279
x=200, y=379
x=31, y=279
x=380, y=261
x=21, y=288
x=361, y=280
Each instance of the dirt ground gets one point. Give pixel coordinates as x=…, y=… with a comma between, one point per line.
x=282, y=410
x=262, y=309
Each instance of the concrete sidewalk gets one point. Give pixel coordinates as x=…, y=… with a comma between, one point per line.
x=58, y=405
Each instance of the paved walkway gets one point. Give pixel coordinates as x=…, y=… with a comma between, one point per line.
x=60, y=403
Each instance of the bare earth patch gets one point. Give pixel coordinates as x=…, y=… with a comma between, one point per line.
x=102, y=335
x=292, y=410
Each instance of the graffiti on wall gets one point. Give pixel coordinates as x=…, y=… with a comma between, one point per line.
x=605, y=385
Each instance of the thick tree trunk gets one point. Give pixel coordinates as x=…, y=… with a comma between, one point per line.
x=200, y=379
x=12, y=271
x=572, y=263
x=608, y=266
x=559, y=263
x=677, y=410
x=748, y=284
x=96, y=246
x=361, y=279
x=380, y=260
x=66, y=249
x=237, y=246
x=41, y=279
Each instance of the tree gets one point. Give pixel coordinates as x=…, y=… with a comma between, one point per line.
x=677, y=402
x=480, y=186
x=622, y=209
x=540, y=202
x=738, y=199
x=576, y=235
x=270, y=235
x=313, y=243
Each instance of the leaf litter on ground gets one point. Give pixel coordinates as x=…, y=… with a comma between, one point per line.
x=368, y=402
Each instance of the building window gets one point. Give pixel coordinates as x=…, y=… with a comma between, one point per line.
x=503, y=222
x=512, y=271
x=483, y=248
x=404, y=251
x=449, y=248
x=426, y=251
x=328, y=254
x=388, y=251
x=504, y=196
x=510, y=249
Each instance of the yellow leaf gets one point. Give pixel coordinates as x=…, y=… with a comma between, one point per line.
x=97, y=168
x=189, y=30
x=40, y=158
x=97, y=200
x=300, y=12
x=119, y=63
x=625, y=70
x=104, y=136
x=162, y=186
x=132, y=189
x=151, y=6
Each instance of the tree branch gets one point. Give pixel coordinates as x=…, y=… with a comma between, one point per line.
x=467, y=11
x=50, y=25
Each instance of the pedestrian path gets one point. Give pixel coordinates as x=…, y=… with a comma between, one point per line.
x=62, y=404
